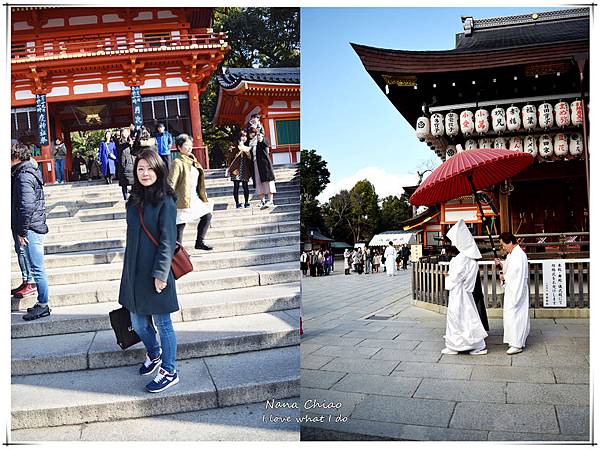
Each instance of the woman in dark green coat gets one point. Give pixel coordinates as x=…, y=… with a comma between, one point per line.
x=147, y=283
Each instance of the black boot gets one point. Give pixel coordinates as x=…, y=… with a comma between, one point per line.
x=202, y=245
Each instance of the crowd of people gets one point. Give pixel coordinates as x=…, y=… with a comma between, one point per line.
x=164, y=197
x=376, y=260
x=316, y=262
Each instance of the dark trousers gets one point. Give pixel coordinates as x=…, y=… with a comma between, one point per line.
x=125, y=192
x=167, y=160
x=203, y=225
x=404, y=263
x=346, y=270
x=236, y=191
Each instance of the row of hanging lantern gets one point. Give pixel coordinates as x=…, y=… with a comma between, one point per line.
x=512, y=119
x=545, y=145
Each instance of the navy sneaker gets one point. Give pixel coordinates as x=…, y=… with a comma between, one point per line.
x=247, y=206
x=238, y=206
x=37, y=311
x=162, y=381
x=150, y=365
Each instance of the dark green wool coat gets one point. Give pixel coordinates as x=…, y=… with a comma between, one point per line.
x=144, y=261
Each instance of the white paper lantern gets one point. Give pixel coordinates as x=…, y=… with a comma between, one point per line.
x=422, y=129
x=466, y=123
x=513, y=118
x=499, y=120
x=575, y=144
x=450, y=151
x=470, y=144
x=452, y=124
x=437, y=125
x=545, y=149
x=561, y=145
x=577, y=113
x=500, y=143
x=530, y=145
x=486, y=143
x=529, y=114
x=545, y=117
x=482, y=124
x=562, y=114
x=515, y=144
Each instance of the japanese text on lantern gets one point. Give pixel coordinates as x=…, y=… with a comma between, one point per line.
x=554, y=277
x=42, y=119
x=136, y=106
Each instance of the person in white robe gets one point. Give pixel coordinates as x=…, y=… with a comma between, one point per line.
x=464, y=331
x=515, y=271
x=390, y=259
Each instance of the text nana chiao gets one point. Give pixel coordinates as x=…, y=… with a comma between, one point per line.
x=310, y=404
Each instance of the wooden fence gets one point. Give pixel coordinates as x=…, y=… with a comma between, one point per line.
x=428, y=283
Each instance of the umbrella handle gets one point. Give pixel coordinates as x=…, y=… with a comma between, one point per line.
x=487, y=228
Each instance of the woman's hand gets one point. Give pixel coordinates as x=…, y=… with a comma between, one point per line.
x=159, y=285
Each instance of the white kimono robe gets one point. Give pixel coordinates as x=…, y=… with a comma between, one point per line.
x=464, y=331
x=390, y=260
x=346, y=263
x=516, y=298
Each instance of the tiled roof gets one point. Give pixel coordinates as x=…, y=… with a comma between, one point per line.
x=520, y=33
x=232, y=77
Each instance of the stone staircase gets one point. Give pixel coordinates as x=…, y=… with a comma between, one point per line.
x=237, y=330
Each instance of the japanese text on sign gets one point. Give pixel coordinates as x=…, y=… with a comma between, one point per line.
x=42, y=119
x=555, y=279
x=136, y=106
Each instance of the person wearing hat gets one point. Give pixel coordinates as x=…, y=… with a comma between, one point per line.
x=464, y=330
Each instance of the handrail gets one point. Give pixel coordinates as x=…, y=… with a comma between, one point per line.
x=113, y=43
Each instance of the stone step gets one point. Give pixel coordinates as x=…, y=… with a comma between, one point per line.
x=47, y=400
x=219, y=173
x=114, y=192
x=220, y=244
x=224, y=210
x=236, y=423
x=112, y=231
x=196, y=282
x=218, y=221
x=195, y=339
x=196, y=306
x=207, y=261
x=101, y=186
x=76, y=274
x=60, y=210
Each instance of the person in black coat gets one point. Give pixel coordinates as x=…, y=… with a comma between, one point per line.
x=28, y=225
x=147, y=284
x=125, y=161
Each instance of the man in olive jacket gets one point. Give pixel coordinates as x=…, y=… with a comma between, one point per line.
x=28, y=224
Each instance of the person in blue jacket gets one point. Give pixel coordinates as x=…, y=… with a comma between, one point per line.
x=164, y=141
x=147, y=287
x=108, y=156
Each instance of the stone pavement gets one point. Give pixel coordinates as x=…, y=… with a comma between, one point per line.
x=386, y=378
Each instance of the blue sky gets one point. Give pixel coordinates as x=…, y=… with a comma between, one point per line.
x=345, y=117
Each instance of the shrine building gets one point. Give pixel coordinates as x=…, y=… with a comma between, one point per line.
x=519, y=83
x=80, y=69
x=274, y=93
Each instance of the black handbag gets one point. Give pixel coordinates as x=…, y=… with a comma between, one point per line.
x=120, y=321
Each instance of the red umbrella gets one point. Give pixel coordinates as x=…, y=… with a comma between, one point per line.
x=467, y=172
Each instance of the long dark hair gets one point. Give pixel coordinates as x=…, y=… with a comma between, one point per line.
x=157, y=191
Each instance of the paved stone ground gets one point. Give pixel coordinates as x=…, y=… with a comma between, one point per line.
x=386, y=379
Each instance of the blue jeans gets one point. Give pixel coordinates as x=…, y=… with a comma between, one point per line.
x=26, y=274
x=60, y=169
x=141, y=325
x=34, y=252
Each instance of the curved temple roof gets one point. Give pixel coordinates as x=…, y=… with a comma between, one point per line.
x=232, y=77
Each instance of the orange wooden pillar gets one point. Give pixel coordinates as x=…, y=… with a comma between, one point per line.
x=194, y=99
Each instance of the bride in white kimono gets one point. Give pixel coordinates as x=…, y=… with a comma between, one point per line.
x=516, y=294
x=390, y=259
x=464, y=331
